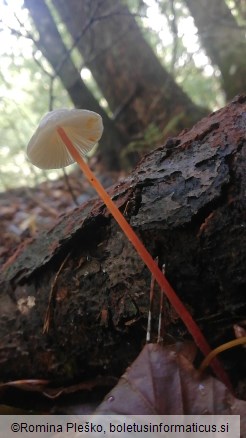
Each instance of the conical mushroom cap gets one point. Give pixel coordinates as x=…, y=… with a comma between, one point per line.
x=46, y=149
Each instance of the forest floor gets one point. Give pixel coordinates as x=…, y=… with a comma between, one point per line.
x=26, y=212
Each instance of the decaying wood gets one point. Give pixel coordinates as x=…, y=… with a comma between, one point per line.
x=186, y=200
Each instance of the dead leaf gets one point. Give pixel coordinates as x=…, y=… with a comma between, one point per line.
x=240, y=330
x=162, y=381
x=82, y=386
x=26, y=384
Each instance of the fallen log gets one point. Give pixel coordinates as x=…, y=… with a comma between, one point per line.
x=186, y=201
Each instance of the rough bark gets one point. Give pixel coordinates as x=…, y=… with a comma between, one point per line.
x=223, y=40
x=187, y=202
x=138, y=89
x=51, y=45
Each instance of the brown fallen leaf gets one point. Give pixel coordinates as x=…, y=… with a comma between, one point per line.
x=35, y=385
x=240, y=330
x=81, y=398
x=163, y=381
x=105, y=381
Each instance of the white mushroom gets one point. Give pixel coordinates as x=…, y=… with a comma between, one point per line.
x=64, y=136
x=46, y=149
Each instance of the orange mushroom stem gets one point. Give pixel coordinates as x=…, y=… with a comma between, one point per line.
x=147, y=259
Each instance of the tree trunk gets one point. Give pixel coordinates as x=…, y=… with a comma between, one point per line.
x=186, y=200
x=223, y=40
x=138, y=89
x=51, y=45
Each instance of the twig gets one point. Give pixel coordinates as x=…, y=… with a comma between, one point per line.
x=160, y=336
x=70, y=189
x=151, y=299
x=52, y=295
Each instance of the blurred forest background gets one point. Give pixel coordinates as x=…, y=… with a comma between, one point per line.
x=151, y=68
